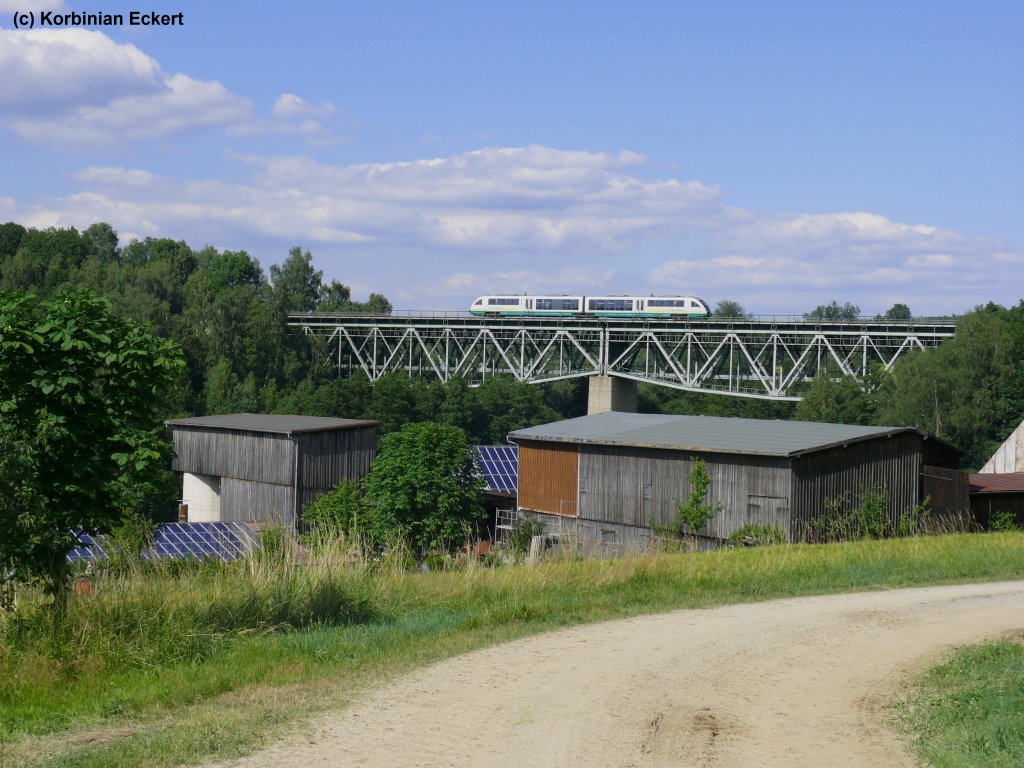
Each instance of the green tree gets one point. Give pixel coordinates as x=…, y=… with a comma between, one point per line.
x=424, y=486
x=834, y=311
x=730, y=308
x=838, y=400
x=898, y=312
x=80, y=392
x=696, y=513
x=340, y=511
x=296, y=284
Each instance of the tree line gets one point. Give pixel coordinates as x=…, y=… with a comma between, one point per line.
x=230, y=319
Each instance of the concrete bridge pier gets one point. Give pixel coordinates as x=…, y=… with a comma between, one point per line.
x=610, y=393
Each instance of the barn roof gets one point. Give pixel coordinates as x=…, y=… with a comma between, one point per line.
x=1004, y=482
x=260, y=422
x=711, y=434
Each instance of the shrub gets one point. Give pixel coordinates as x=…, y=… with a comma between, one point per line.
x=1004, y=521
x=754, y=535
x=523, y=531
x=340, y=511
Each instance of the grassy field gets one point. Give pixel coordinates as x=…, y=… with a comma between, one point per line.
x=969, y=711
x=180, y=665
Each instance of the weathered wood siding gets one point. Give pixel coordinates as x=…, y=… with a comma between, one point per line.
x=948, y=492
x=548, y=474
x=984, y=506
x=260, y=456
x=258, y=468
x=247, y=501
x=892, y=463
x=326, y=458
x=640, y=486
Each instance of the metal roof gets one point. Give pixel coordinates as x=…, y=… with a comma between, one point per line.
x=260, y=422
x=991, y=482
x=711, y=434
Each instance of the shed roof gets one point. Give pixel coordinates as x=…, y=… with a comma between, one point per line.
x=711, y=434
x=260, y=422
x=993, y=482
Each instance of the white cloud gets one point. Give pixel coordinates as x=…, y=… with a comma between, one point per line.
x=289, y=105
x=54, y=72
x=542, y=219
x=78, y=87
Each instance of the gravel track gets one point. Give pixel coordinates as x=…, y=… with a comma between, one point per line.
x=799, y=682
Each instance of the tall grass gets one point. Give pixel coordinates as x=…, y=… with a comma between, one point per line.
x=221, y=646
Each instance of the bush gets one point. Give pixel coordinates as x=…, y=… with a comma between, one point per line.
x=754, y=535
x=523, y=531
x=340, y=511
x=1003, y=521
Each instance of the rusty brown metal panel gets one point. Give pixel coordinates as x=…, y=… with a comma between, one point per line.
x=548, y=474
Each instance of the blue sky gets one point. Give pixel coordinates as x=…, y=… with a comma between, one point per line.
x=781, y=154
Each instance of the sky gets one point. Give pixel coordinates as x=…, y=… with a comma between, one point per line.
x=781, y=154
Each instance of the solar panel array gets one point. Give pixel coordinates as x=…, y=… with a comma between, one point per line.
x=499, y=465
x=199, y=541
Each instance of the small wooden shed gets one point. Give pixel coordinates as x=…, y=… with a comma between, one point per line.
x=619, y=475
x=249, y=467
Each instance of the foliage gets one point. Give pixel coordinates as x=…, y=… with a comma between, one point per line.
x=898, y=312
x=755, y=535
x=423, y=486
x=695, y=514
x=969, y=711
x=80, y=390
x=128, y=539
x=842, y=521
x=834, y=311
x=730, y=308
x=1004, y=521
x=521, y=536
x=338, y=512
x=969, y=391
x=839, y=400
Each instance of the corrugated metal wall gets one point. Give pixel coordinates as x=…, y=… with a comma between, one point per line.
x=893, y=463
x=547, y=477
x=260, y=456
x=640, y=486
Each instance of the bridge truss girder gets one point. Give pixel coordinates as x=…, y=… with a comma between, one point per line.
x=748, y=359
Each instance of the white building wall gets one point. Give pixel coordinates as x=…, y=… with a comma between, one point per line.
x=1009, y=457
x=202, y=494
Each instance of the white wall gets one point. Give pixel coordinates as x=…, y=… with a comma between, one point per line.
x=1010, y=455
x=202, y=494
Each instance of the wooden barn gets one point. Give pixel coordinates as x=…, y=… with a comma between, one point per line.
x=248, y=467
x=614, y=476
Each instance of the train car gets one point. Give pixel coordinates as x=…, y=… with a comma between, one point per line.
x=599, y=306
x=646, y=306
x=539, y=306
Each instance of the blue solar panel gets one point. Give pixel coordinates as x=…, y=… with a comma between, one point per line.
x=499, y=465
x=226, y=541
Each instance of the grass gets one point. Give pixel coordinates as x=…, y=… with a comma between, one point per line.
x=171, y=666
x=969, y=711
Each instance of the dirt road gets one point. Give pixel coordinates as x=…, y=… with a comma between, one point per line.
x=802, y=682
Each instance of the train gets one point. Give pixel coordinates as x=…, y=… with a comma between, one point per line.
x=600, y=306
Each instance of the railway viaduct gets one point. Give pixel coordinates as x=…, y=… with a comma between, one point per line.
x=765, y=357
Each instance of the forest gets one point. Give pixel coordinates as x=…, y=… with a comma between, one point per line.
x=230, y=319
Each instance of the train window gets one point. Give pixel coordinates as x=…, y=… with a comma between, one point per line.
x=503, y=302
x=478, y=302
x=611, y=305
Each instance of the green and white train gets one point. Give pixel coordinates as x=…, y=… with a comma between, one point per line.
x=596, y=306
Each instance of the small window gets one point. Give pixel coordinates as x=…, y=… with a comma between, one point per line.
x=478, y=302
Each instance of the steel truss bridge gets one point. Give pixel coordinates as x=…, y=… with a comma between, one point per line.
x=763, y=358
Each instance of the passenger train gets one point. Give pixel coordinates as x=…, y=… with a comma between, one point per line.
x=600, y=306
